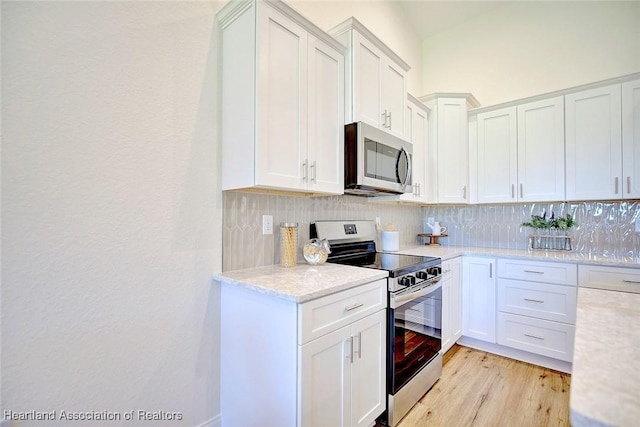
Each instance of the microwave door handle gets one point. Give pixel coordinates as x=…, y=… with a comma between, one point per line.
x=406, y=178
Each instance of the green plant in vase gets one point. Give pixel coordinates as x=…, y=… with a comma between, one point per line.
x=543, y=228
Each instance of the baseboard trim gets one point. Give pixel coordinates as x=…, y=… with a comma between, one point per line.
x=512, y=353
x=213, y=422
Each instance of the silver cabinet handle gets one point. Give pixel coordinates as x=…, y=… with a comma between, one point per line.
x=354, y=306
x=631, y=281
x=313, y=171
x=305, y=170
x=628, y=185
x=350, y=353
x=389, y=120
x=384, y=117
x=616, y=185
x=490, y=270
x=534, y=336
x=513, y=191
x=359, y=351
x=534, y=271
x=521, y=191
x=534, y=300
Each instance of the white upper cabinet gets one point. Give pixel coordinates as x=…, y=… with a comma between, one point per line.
x=520, y=153
x=282, y=109
x=631, y=139
x=376, y=79
x=594, y=144
x=448, y=164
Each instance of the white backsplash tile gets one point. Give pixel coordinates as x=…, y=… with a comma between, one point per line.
x=245, y=246
x=606, y=229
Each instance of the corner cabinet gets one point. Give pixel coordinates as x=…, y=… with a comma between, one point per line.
x=282, y=103
x=448, y=168
x=631, y=139
x=479, y=298
x=376, y=79
x=520, y=152
x=316, y=363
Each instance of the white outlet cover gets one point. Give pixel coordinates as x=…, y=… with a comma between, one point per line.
x=267, y=224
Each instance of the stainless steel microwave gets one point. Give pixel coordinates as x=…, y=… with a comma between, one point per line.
x=375, y=162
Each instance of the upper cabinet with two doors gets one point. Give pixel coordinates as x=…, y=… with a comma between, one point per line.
x=520, y=152
x=603, y=142
x=282, y=102
x=376, y=79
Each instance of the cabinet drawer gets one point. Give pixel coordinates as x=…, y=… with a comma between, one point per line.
x=538, y=336
x=613, y=278
x=323, y=315
x=544, y=301
x=538, y=271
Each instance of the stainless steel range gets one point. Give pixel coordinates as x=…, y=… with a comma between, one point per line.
x=414, y=360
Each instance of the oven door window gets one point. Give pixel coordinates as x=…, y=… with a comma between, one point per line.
x=416, y=336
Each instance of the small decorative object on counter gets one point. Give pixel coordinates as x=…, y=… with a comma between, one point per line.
x=390, y=238
x=316, y=251
x=550, y=234
x=288, y=244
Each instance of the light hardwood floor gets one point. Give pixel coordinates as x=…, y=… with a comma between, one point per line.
x=483, y=389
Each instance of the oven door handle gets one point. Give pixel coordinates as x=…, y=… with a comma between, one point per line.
x=396, y=301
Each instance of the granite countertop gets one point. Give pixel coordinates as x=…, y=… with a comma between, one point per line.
x=303, y=282
x=448, y=252
x=605, y=383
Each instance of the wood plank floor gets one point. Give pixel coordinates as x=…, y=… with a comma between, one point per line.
x=483, y=389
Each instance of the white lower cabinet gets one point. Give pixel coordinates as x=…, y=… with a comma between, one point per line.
x=451, y=302
x=609, y=278
x=479, y=298
x=318, y=363
x=537, y=307
x=343, y=378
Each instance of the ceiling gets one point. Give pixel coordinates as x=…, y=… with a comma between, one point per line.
x=431, y=16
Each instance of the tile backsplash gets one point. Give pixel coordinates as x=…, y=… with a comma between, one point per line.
x=245, y=246
x=606, y=229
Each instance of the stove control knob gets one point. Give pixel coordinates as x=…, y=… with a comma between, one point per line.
x=407, y=280
x=435, y=271
x=422, y=275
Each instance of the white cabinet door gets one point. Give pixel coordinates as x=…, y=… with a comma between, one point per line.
x=394, y=96
x=368, y=377
x=453, y=150
x=541, y=151
x=326, y=380
x=281, y=101
x=326, y=118
x=631, y=139
x=451, y=303
x=497, y=156
x=593, y=144
x=479, y=298
x=367, y=82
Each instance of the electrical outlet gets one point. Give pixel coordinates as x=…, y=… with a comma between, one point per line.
x=378, y=220
x=267, y=224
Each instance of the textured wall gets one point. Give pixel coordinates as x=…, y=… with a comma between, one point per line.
x=527, y=48
x=605, y=228
x=111, y=222
x=245, y=245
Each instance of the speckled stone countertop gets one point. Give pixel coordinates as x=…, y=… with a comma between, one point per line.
x=303, y=282
x=448, y=252
x=605, y=383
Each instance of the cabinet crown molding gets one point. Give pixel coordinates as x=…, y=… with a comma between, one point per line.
x=235, y=7
x=353, y=24
x=472, y=102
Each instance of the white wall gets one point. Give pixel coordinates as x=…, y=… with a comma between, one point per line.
x=111, y=209
x=529, y=48
x=385, y=19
